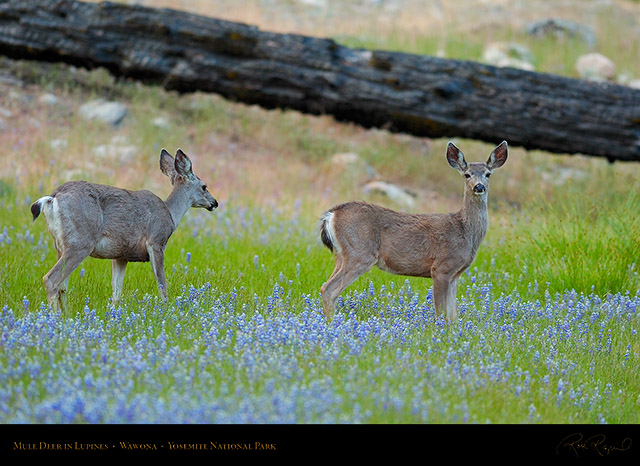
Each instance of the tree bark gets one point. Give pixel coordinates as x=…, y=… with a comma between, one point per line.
x=419, y=95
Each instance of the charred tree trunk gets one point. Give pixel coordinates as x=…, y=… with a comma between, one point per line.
x=419, y=95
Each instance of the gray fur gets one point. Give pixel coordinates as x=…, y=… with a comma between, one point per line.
x=106, y=222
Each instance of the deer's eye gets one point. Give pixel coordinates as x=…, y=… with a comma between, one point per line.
x=467, y=175
x=204, y=187
x=488, y=175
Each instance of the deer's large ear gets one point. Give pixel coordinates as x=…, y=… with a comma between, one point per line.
x=182, y=164
x=167, y=164
x=455, y=157
x=499, y=156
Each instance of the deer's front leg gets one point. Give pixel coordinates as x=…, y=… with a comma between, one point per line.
x=451, y=307
x=156, y=258
x=444, y=295
x=118, y=267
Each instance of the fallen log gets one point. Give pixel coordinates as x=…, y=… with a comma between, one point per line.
x=419, y=95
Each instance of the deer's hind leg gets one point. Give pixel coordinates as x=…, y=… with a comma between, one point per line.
x=64, y=285
x=327, y=304
x=346, y=271
x=57, y=279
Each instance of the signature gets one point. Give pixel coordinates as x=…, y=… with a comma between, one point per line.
x=577, y=443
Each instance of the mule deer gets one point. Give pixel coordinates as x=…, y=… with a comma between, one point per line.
x=87, y=219
x=439, y=246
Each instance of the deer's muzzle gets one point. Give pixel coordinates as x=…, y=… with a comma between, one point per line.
x=479, y=188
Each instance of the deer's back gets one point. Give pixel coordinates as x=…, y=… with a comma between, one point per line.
x=408, y=244
x=378, y=220
x=117, y=221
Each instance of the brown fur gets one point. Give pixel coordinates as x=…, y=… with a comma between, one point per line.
x=437, y=246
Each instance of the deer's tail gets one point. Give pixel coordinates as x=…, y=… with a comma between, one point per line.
x=326, y=229
x=36, y=207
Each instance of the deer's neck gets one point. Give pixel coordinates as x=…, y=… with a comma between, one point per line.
x=178, y=203
x=475, y=218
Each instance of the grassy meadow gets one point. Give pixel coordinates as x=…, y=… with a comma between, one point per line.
x=548, y=323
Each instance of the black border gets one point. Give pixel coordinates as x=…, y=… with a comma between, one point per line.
x=322, y=442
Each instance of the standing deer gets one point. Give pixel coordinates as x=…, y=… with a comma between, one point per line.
x=439, y=246
x=87, y=219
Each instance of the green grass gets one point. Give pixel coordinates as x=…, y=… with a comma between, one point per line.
x=515, y=356
x=585, y=243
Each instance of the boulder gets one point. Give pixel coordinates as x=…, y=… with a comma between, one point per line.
x=59, y=144
x=634, y=83
x=595, y=67
x=48, y=99
x=562, y=28
x=509, y=54
x=397, y=194
x=107, y=112
x=352, y=163
x=345, y=158
x=120, y=152
x=161, y=122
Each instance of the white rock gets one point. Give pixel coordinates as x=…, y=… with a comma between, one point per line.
x=595, y=67
x=108, y=112
x=393, y=192
x=508, y=54
x=34, y=122
x=120, y=152
x=58, y=144
x=345, y=158
x=562, y=28
x=634, y=83
x=161, y=122
x=563, y=175
x=120, y=140
x=315, y=3
x=48, y=99
x=4, y=113
x=353, y=164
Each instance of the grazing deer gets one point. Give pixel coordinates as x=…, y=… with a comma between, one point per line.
x=439, y=246
x=87, y=219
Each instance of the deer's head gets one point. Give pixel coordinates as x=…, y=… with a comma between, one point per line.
x=180, y=173
x=477, y=174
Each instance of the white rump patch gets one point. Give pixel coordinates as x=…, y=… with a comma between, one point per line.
x=328, y=219
x=51, y=211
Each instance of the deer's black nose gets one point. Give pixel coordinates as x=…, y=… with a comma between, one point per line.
x=214, y=205
x=479, y=188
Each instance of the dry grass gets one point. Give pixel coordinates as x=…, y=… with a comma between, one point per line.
x=254, y=156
